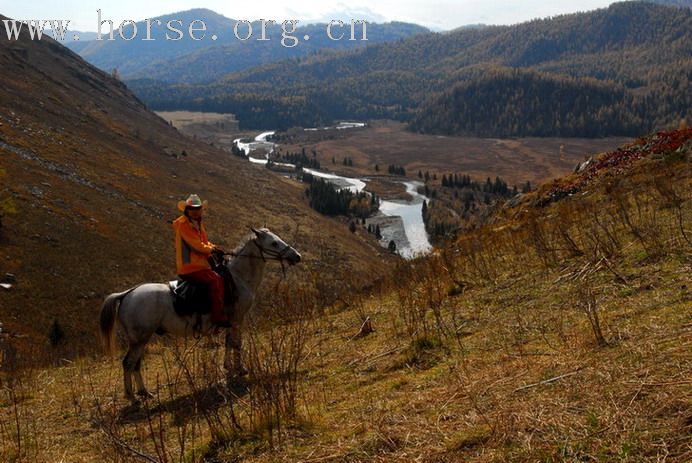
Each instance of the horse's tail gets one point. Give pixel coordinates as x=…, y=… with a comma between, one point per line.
x=109, y=310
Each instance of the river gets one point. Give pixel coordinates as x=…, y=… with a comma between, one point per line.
x=412, y=240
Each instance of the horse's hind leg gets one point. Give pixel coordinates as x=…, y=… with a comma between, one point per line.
x=127, y=374
x=141, y=389
x=132, y=364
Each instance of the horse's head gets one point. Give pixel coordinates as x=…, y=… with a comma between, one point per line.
x=273, y=247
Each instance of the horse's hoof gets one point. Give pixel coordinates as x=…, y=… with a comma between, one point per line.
x=145, y=394
x=237, y=385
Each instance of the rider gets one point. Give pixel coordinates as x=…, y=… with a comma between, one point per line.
x=192, y=252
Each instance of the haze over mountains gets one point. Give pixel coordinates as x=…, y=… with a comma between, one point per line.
x=631, y=59
x=199, y=61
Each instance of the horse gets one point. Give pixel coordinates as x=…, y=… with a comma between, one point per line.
x=148, y=308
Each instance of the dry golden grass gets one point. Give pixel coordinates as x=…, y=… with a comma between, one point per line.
x=180, y=119
x=483, y=352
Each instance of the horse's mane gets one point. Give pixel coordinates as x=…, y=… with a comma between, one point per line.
x=243, y=242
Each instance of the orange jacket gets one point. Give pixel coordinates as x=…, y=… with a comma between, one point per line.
x=192, y=248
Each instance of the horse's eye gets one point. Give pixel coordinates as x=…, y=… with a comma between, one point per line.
x=275, y=244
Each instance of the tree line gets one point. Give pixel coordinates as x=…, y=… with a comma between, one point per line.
x=460, y=202
x=327, y=199
x=300, y=159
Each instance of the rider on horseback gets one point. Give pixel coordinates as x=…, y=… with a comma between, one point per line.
x=193, y=250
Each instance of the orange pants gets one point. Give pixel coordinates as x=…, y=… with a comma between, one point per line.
x=216, y=285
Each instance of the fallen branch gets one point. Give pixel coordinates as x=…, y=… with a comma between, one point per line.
x=124, y=445
x=365, y=329
x=548, y=381
x=376, y=357
x=671, y=383
x=326, y=458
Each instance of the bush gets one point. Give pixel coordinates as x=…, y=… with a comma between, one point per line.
x=56, y=334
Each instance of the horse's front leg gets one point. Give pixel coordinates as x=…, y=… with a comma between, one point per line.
x=233, y=360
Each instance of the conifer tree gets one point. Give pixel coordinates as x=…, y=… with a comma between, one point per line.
x=392, y=246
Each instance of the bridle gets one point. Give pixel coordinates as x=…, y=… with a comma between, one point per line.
x=272, y=254
x=265, y=254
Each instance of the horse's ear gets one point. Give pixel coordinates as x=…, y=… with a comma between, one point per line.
x=255, y=231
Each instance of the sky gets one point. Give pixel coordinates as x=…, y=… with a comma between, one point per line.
x=435, y=14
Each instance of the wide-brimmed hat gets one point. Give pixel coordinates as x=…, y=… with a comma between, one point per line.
x=192, y=201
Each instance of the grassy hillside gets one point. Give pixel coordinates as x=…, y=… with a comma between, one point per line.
x=559, y=331
x=89, y=182
x=638, y=51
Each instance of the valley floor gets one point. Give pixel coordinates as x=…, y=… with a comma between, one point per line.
x=515, y=160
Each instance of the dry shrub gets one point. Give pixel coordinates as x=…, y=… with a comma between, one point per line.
x=276, y=344
x=587, y=303
x=18, y=426
x=18, y=421
x=642, y=215
x=423, y=295
x=190, y=405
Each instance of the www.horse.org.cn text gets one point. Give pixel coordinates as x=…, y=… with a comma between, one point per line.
x=177, y=29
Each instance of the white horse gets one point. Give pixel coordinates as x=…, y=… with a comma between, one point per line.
x=148, y=308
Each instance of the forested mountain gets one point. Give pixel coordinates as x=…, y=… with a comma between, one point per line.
x=640, y=50
x=516, y=102
x=187, y=60
x=681, y=3
x=211, y=63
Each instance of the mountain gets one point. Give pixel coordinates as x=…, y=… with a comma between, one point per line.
x=679, y=3
x=345, y=13
x=71, y=34
x=89, y=182
x=212, y=63
x=130, y=56
x=549, y=105
x=187, y=60
x=643, y=47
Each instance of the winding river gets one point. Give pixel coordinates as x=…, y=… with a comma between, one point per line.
x=414, y=239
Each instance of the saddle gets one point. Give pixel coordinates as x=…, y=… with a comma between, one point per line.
x=189, y=298
x=194, y=299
